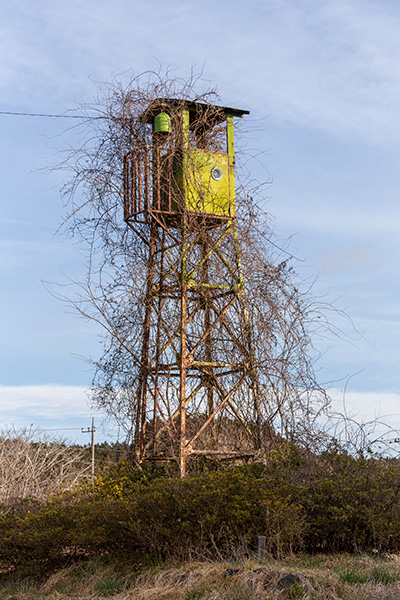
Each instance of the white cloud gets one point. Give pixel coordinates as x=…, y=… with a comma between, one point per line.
x=331, y=66
x=64, y=407
x=345, y=216
x=61, y=410
x=343, y=259
x=63, y=401
x=328, y=65
x=368, y=406
x=43, y=401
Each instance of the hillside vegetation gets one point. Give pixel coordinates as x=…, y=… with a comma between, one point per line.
x=301, y=502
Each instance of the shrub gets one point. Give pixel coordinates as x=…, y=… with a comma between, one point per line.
x=352, y=504
x=299, y=501
x=211, y=514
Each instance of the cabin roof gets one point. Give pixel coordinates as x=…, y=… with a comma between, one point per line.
x=196, y=109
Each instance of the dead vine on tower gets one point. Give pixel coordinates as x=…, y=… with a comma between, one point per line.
x=207, y=330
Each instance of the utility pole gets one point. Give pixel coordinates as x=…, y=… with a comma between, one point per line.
x=91, y=430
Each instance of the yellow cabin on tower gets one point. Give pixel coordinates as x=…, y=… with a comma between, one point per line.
x=189, y=167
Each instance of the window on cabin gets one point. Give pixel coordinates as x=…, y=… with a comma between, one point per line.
x=207, y=133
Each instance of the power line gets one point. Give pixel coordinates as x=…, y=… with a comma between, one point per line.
x=26, y=114
x=61, y=429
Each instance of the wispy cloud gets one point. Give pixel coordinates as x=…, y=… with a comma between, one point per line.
x=328, y=65
x=44, y=401
x=62, y=410
x=324, y=71
x=335, y=216
x=349, y=259
x=61, y=406
x=339, y=69
x=368, y=406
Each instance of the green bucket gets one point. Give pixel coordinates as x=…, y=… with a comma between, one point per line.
x=162, y=123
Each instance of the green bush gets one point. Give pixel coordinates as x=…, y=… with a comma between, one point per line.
x=214, y=512
x=299, y=501
x=211, y=514
x=352, y=504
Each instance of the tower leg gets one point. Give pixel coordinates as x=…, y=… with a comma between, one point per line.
x=183, y=354
x=140, y=429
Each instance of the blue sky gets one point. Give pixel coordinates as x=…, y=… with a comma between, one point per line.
x=322, y=82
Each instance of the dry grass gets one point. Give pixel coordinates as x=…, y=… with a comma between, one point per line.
x=320, y=577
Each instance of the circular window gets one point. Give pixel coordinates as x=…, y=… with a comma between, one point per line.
x=216, y=173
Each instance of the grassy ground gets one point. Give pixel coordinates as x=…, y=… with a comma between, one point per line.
x=320, y=577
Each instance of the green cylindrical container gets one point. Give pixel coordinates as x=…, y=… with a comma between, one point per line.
x=162, y=123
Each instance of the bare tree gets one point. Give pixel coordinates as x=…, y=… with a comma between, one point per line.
x=33, y=465
x=272, y=334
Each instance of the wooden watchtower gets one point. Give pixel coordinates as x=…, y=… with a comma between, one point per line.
x=197, y=390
